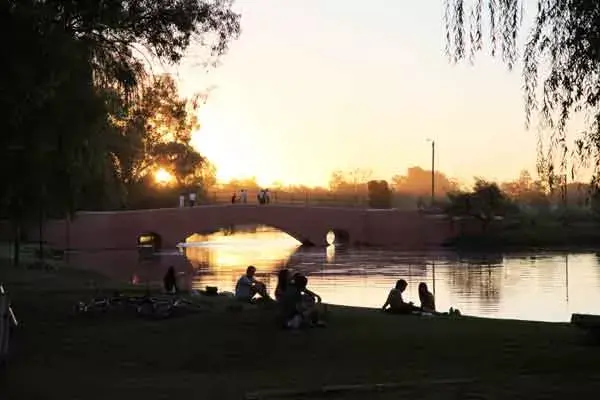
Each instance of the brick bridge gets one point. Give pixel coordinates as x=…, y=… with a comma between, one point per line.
x=309, y=225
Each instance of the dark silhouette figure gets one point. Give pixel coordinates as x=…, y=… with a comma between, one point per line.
x=301, y=306
x=248, y=286
x=170, y=281
x=396, y=303
x=283, y=281
x=426, y=298
x=233, y=198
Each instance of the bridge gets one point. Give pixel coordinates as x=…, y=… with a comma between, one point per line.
x=309, y=225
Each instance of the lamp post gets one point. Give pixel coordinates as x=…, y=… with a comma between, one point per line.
x=432, y=171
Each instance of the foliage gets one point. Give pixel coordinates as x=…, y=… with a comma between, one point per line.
x=380, y=195
x=560, y=66
x=417, y=181
x=353, y=181
x=484, y=202
x=67, y=66
x=156, y=131
x=119, y=34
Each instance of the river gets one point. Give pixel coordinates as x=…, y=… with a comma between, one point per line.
x=532, y=286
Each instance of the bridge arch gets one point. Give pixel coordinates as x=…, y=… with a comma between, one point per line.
x=338, y=236
x=204, y=231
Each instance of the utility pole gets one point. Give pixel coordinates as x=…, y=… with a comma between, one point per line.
x=432, y=171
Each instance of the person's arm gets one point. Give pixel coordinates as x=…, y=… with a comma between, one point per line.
x=313, y=294
x=387, y=301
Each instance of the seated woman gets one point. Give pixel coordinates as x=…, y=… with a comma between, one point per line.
x=426, y=298
x=283, y=281
x=395, y=303
x=300, y=305
x=170, y=281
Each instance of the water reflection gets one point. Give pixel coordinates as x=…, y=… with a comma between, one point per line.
x=541, y=286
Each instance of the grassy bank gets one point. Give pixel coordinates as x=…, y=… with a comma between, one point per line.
x=219, y=354
x=525, y=235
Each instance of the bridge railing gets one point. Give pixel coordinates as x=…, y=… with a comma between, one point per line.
x=294, y=198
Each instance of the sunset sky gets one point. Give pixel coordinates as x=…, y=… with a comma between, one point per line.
x=317, y=85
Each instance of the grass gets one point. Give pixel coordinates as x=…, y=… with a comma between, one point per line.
x=221, y=354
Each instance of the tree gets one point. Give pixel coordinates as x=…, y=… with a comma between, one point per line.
x=417, y=181
x=64, y=65
x=156, y=131
x=484, y=202
x=353, y=181
x=560, y=57
x=380, y=195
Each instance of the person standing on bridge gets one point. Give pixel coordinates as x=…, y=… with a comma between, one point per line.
x=192, y=199
x=244, y=196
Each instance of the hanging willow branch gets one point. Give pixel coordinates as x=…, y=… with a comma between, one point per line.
x=565, y=42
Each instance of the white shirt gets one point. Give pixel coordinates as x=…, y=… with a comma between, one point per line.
x=243, y=287
x=193, y=196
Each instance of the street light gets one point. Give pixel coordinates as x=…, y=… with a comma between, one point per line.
x=432, y=171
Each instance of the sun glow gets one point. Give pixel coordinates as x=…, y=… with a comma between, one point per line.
x=162, y=176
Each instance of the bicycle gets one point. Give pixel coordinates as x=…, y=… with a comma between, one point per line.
x=156, y=307
x=166, y=306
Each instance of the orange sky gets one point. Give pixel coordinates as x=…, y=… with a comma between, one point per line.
x=313, y=86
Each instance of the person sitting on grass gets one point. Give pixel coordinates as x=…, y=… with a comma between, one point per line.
x=301, y=307
x=283, y=281
x=426, y=298
x=170, y=281
x=247, y=287
x=395, y=303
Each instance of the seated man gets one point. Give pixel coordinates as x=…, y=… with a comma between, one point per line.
x=396, y=303
x=247, y=286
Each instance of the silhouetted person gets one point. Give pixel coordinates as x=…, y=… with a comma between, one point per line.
x=181, y=201
x=426, y=298
x=283, y=281
x=244, y=196
x=396, y=303
x=247, y=286
x=192, y=199
x=300, y=305
x=267, y=196
x=170, y=281
x=233, y=198
x=260, y=197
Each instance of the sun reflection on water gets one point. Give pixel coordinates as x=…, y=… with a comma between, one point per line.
x=223, y=257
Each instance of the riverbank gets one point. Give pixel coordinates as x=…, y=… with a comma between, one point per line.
x=516, y=236
x=221, y=354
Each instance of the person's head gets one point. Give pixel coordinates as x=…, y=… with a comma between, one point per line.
x=423, y=288
x=300, y=282
x=401, y=285
x=283, y=277
x=250, y=271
